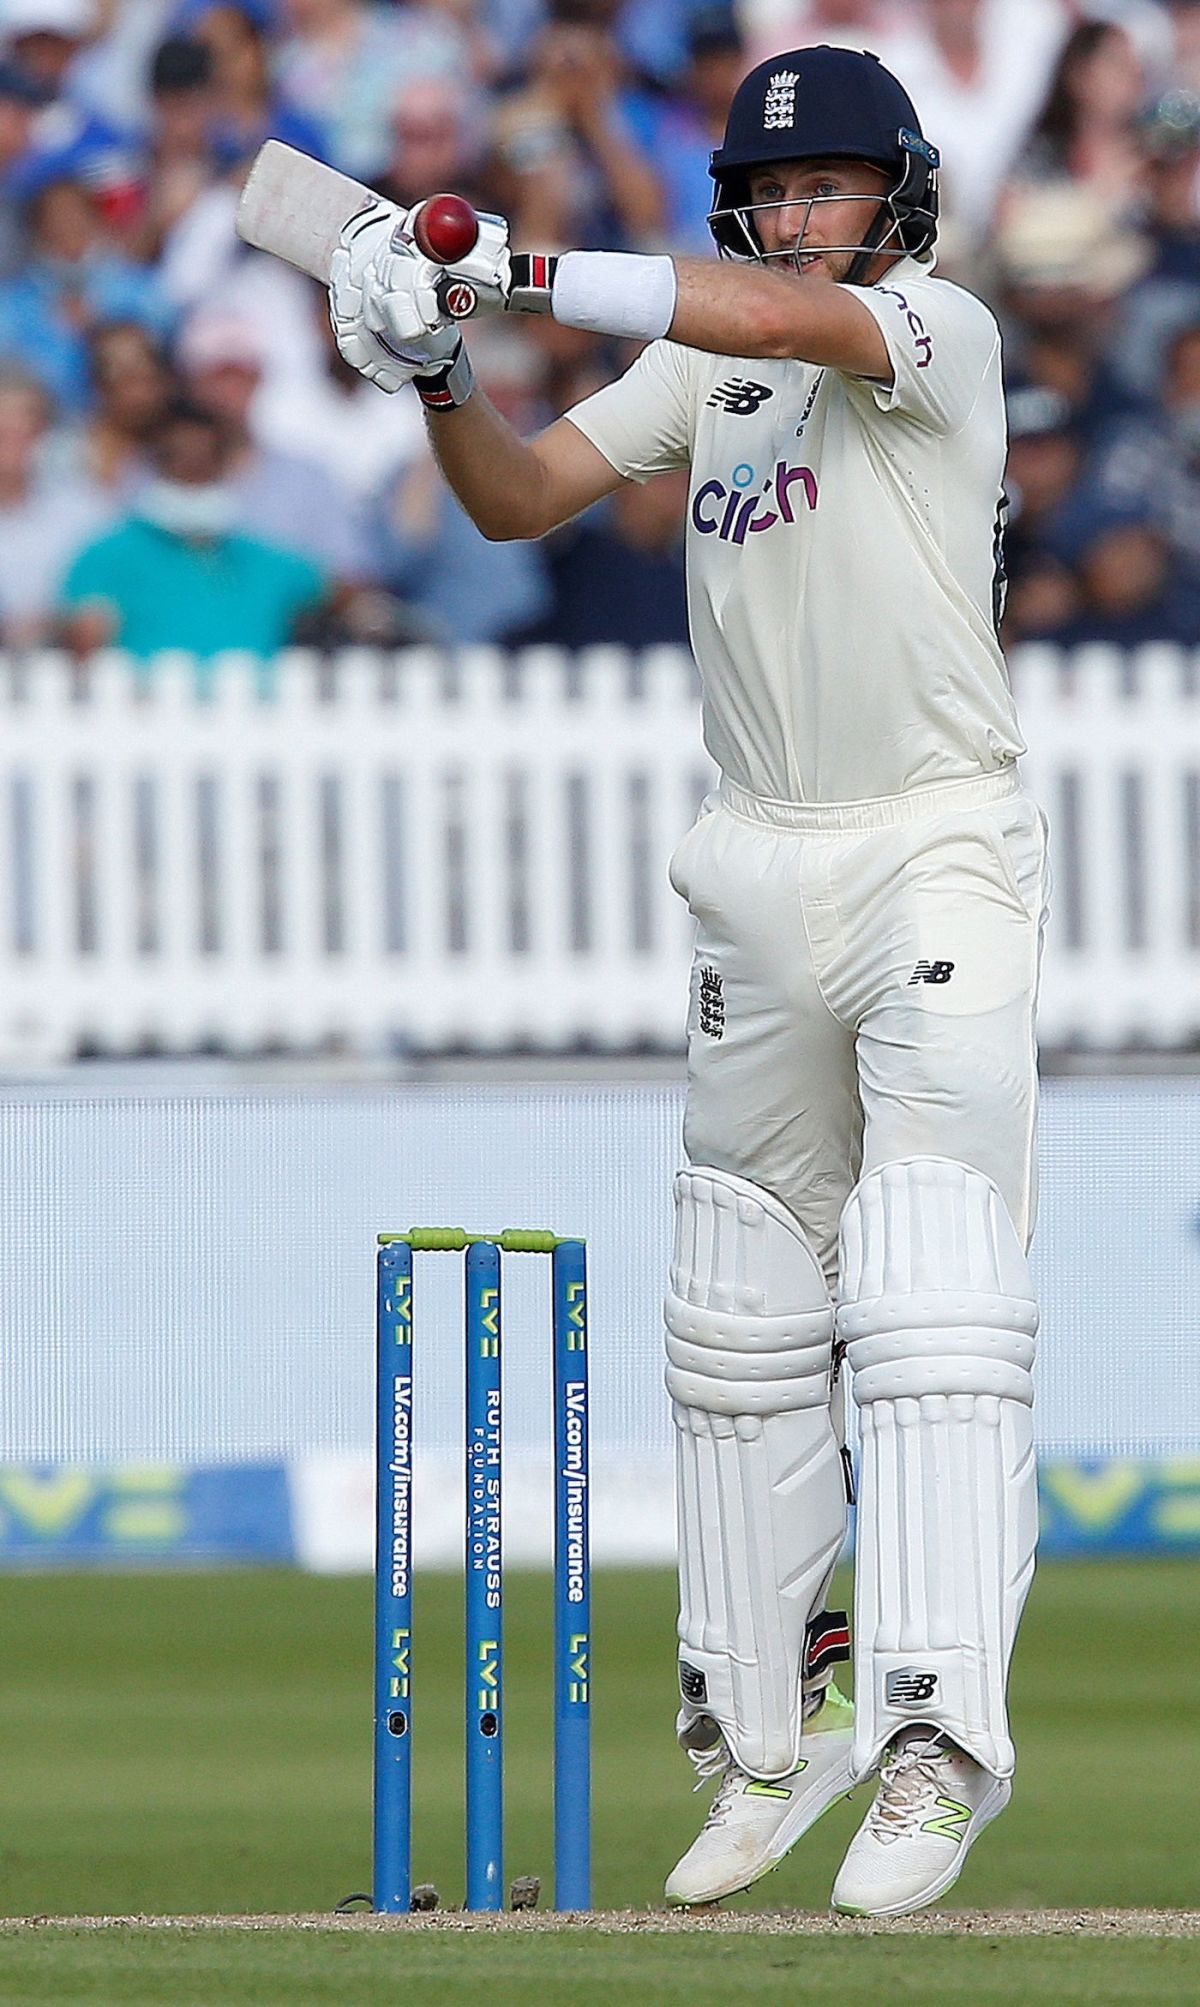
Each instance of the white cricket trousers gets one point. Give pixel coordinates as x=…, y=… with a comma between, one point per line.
x=864, y=989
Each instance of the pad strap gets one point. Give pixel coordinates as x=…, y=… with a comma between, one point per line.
x=826, y=1645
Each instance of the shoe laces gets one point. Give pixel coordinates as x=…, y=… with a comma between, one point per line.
x=726, y=1791
x=907, y=1775
x=712, y=1761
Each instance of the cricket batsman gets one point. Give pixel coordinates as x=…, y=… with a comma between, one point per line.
x=868, y=886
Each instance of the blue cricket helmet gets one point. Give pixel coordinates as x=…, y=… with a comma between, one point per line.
x=826, y=104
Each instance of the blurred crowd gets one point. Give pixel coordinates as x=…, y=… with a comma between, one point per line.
x=186, y=462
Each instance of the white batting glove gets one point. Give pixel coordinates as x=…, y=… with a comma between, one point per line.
x=382, y=304
x=406, y=294
x=487, y=270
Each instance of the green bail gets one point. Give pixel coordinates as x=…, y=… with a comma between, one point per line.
x=453, y=1240
x=528, y=1240
x=439, y=1239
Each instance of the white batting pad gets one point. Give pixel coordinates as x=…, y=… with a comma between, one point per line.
x=760, y=1494
x=938, y=1316
x=296, y=207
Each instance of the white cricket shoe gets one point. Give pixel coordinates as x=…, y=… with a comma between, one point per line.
x=752, y=1824
x=933, y=1801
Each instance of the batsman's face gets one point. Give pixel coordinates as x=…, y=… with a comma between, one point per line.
x=802, y=207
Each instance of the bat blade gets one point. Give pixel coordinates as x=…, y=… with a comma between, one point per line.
x=296, y=207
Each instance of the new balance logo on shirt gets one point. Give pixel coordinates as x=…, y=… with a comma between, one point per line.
x=931, y=972
x=740, y=396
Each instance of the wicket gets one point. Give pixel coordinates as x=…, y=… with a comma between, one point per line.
x=484, y=1582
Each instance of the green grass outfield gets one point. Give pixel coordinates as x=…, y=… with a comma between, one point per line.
x=588, y=1969
x=200, y=1745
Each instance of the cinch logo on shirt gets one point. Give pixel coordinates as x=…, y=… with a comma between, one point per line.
x=922, y=339
x=730, y=512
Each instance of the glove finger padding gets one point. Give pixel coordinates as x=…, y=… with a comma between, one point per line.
x=388, y=348
x=399, y=294
x=363, y=355
x=356, y=344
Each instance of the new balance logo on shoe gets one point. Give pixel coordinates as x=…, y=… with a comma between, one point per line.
x=909, y=1687
x=740, y=396
x=931, y=972
x=953, y=1823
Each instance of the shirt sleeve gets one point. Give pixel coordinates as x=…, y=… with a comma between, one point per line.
x=941, y=341
x=642, y=423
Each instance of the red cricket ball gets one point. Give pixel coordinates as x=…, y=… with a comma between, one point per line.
x=446, y=228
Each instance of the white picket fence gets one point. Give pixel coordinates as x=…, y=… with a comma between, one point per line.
x=414, y=851
x=1114, y=757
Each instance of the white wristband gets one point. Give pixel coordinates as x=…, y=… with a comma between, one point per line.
x=615, y=293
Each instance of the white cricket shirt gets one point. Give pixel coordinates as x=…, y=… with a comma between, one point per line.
x=842, y=547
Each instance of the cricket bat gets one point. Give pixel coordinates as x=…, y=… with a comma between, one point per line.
x=296, y=208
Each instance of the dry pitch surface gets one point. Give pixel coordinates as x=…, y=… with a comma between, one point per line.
x=1098, y=1923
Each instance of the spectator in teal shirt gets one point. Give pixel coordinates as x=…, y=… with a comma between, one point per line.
x=173, y=574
